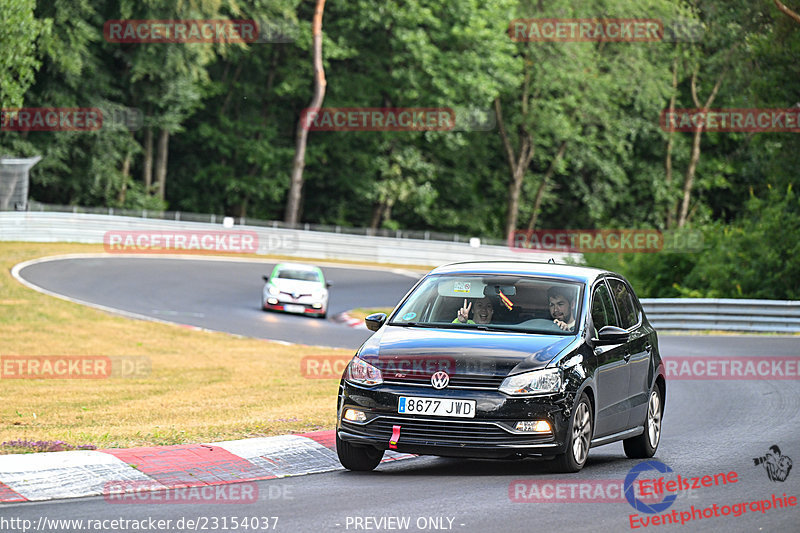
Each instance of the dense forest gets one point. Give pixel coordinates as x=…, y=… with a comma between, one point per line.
x=548, y=134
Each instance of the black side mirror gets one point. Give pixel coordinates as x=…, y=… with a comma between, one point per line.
x=611, y=335
x=266, y=278
x=375, y=321
x=329, y=284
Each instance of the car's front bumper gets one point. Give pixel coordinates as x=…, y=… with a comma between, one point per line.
x=490, y=434
x=308, y=307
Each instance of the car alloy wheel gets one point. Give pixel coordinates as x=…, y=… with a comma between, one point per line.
x=644, y=445
x=654, y=419
x=579, y=438
x=581, y=433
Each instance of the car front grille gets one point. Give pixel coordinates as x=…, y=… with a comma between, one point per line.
x=457, y=381
x=295, y=297
x=429, y=432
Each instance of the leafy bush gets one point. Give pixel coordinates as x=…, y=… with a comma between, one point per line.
x=754, y=257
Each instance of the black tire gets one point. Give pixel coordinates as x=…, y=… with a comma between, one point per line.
x=358, y=458
x=579, y=438
x=645, y=445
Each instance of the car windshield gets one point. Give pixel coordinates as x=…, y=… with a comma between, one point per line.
x=493, y=302
x=302, y=275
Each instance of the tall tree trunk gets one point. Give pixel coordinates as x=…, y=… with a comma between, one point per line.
x=161, y=162
x=537, y=203
x=377, y=215
x=147, y=170
x=688, y=182
x=517, y=166
x=668, y=161
x=299, y=163
x=126, y=172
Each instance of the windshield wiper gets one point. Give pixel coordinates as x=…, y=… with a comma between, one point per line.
x=484, y=327
x=414, y=324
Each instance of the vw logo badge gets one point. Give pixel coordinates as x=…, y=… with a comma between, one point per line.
x=440, y=380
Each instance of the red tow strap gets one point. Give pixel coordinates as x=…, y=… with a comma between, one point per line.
x=395, y=437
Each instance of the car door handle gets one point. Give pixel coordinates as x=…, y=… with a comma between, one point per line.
x=627, y=356
x=648, y=347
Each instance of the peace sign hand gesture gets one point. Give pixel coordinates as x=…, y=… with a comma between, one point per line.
x=463, y=313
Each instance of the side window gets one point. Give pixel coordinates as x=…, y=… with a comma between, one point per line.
x=628, y=312
x=602, y=309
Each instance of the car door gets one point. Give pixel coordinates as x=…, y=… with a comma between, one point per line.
x=612, y=374
x=639, y=348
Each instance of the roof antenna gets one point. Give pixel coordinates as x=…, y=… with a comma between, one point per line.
x=551, y=260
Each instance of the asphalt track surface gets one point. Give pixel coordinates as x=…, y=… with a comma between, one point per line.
x=709, y=427
x=219, y=295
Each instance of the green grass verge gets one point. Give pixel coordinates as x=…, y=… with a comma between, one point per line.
x=203, y=386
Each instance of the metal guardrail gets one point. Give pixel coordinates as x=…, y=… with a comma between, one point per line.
x=779, y=316
x=34, y=226
x=211, y=218
x=725, y=314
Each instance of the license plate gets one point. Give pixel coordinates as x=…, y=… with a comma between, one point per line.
x=291, y=308
x=411, y=405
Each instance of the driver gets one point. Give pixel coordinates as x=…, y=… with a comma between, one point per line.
x=482, y=315
x=561, y=304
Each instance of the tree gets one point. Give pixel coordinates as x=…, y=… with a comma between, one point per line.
x=296, y=185
x=571, y=110
x=20, y=32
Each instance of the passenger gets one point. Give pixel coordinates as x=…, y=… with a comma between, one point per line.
x=483, y=312
x=561, y=304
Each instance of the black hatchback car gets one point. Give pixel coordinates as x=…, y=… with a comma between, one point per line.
x=505, y=359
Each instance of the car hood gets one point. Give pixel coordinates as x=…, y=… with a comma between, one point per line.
x=480, y=352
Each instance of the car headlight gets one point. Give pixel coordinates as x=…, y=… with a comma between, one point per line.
x=273, y=290
x=318, y=295
x=363, y=373
x=536, y=382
